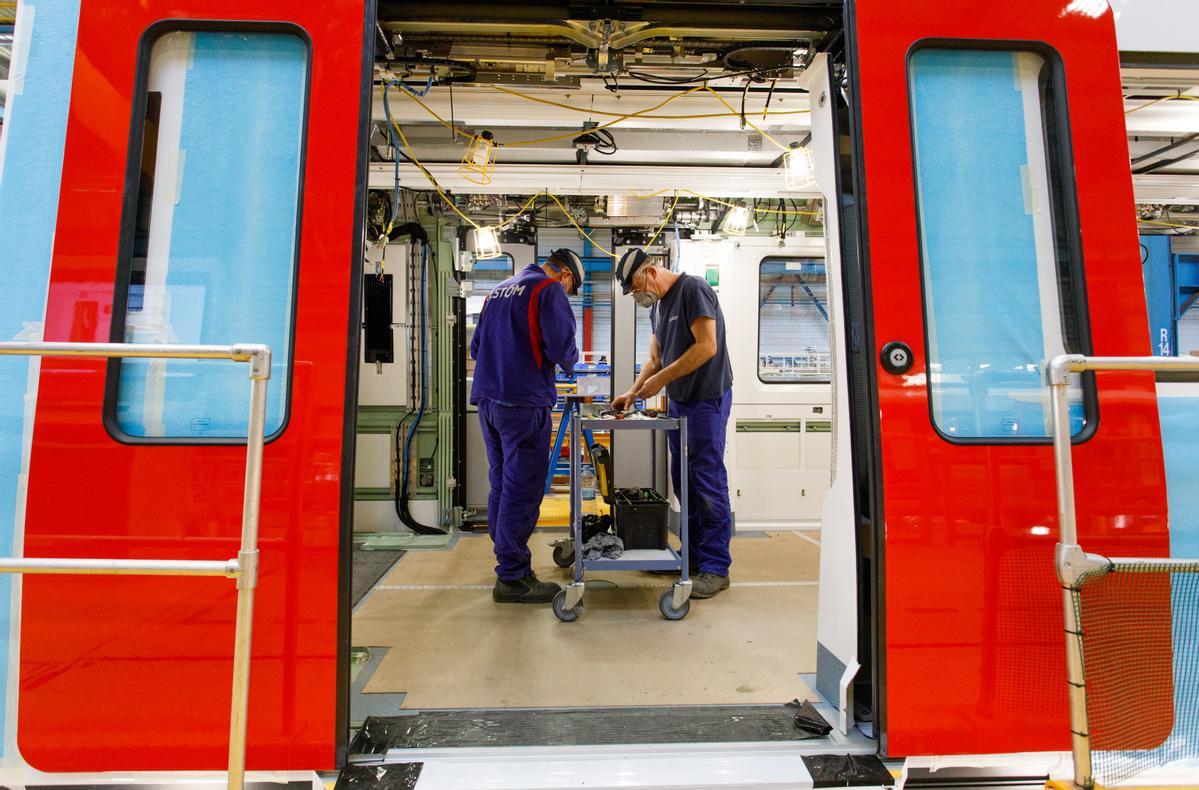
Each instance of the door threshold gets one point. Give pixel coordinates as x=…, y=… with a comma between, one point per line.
x=791, y=723
x=761, y=766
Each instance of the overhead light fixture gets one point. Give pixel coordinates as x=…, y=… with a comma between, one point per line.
x=487, y=243
x=479, y=161
x=735, y=221
x=798, y=169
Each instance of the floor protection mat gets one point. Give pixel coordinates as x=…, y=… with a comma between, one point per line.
x=580, y=727
x=394, y=776
x=847, y=770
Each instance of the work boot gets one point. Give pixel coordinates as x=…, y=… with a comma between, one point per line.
x=526, y=589
x=706, y=584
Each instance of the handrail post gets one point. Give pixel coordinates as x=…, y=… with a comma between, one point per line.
x=247, y=556
x=244, y=569
x=1058, y=379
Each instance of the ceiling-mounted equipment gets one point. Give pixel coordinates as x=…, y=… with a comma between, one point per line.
x=763, y=60
x=478, y=162
x=433, y=70
x=798, y=169
x=592, y=139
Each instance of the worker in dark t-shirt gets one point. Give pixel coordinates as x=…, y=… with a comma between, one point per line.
x=689, y=358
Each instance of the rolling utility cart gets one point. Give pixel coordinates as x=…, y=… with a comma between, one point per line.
x=674, y=603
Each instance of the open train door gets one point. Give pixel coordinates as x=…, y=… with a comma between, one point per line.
x=212, y=192
x=998, y=230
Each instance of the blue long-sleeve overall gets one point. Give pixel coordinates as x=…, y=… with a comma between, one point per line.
x=526, y=328
x=705, y=397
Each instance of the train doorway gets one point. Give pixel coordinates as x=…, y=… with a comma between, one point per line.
x=705, y=189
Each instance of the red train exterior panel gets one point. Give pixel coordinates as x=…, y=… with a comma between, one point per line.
x=973, y=648
x=137, y=670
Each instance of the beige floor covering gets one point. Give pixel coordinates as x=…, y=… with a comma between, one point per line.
x=452, y=647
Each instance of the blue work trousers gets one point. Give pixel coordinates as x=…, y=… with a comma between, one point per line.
x=709, y=517
x=517, y=439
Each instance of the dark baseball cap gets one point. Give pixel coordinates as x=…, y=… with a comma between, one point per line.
x=573, y=263
x=629, y=263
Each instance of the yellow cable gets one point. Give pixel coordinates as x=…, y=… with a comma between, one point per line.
x=519, y=211
x=720, y=202
x=589, y=111
x=787, y=212
x=1179, y=97
x=571, y=220
x=428, y=175
x=662, y=227
x=750, y=123
x=440, y=120
x=1167, y=224
x=613, y=122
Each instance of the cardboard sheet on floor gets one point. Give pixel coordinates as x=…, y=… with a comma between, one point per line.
x=452, y=647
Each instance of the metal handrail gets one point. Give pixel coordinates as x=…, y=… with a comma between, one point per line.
x=1072, y=563
x=244, y=568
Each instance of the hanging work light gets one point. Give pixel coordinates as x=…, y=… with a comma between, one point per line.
x=798, y=171
x=735, y=221
x=487, y=243
x=479, y=160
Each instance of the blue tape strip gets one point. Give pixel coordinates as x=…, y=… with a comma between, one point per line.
x=35, y=132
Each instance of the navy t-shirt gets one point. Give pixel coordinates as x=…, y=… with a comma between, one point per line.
x=688, y=299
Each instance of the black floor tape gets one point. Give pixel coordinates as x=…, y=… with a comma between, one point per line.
x=847, y=770
x=583, y=727
x=396, y=776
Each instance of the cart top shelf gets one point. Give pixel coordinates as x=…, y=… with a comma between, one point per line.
x=629, y=424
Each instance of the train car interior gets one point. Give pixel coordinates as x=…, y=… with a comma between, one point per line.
x=494, y=143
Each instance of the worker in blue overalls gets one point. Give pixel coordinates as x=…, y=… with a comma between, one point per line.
x=688, y=357
x=526, y=328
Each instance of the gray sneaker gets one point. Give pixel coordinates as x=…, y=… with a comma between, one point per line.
x=527, y=589
x=705, y=585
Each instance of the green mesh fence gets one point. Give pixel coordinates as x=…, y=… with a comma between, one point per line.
x=1140, y=648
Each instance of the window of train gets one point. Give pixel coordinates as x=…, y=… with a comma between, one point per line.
x=1001, y=268
x=793, y=344
x=215, y=230
x=486, y=275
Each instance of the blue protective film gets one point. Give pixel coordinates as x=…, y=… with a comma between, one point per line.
x=31, y=155
x=230, y=270
x=983, y=281
x=1179, y=415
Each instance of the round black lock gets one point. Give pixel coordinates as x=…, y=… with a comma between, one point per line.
x=896, y=357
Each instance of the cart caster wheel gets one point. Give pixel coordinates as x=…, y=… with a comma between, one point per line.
x=564, y=614
x=666, y=606
x=564, y=554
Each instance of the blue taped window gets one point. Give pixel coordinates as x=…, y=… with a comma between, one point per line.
x=793, y=321
x=216, y=229
x=999, y=276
